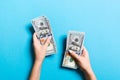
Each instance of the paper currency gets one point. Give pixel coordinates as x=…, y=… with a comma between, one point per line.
x=43, y=30
x=74, y=43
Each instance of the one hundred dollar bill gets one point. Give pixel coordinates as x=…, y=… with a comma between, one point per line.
x=74, y=43
x=43, y=30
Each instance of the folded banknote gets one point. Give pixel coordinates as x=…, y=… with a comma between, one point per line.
x=74, y=43
x=43, y=30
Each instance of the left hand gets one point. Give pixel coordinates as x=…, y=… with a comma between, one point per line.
x=40, y=50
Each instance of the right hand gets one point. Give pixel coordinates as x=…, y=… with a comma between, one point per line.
x=84, y=63
x=82, y=60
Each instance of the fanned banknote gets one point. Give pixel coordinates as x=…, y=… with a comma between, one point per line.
x=74, y=43
x=43, y=30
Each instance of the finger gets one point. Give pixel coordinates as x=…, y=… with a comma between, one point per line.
x=34, y=36
x=74, y=55
x=35, y=39
x=85, y=52
x=82, y=47
x=47, y=41
x=81, y=51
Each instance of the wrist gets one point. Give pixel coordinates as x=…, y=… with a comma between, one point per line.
x=38, y=62
x=88, y=71
x=89, y=74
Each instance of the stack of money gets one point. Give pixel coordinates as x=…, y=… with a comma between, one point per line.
x=43, y=30
x=74, y=43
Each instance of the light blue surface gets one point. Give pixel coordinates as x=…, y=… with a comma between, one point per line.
x=99, y=19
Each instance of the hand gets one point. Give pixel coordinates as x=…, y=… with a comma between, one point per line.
x=82, y=60
x=40, y=50
x=84, y=63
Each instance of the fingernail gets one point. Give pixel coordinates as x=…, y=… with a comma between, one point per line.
x=70, y=51
x=49, y=37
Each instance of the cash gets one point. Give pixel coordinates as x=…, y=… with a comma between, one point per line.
x=74, y=43
x=43, y=30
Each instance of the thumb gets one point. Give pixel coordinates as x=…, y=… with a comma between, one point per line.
x=74, y=55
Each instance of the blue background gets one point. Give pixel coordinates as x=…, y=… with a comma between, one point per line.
x=99, y=19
